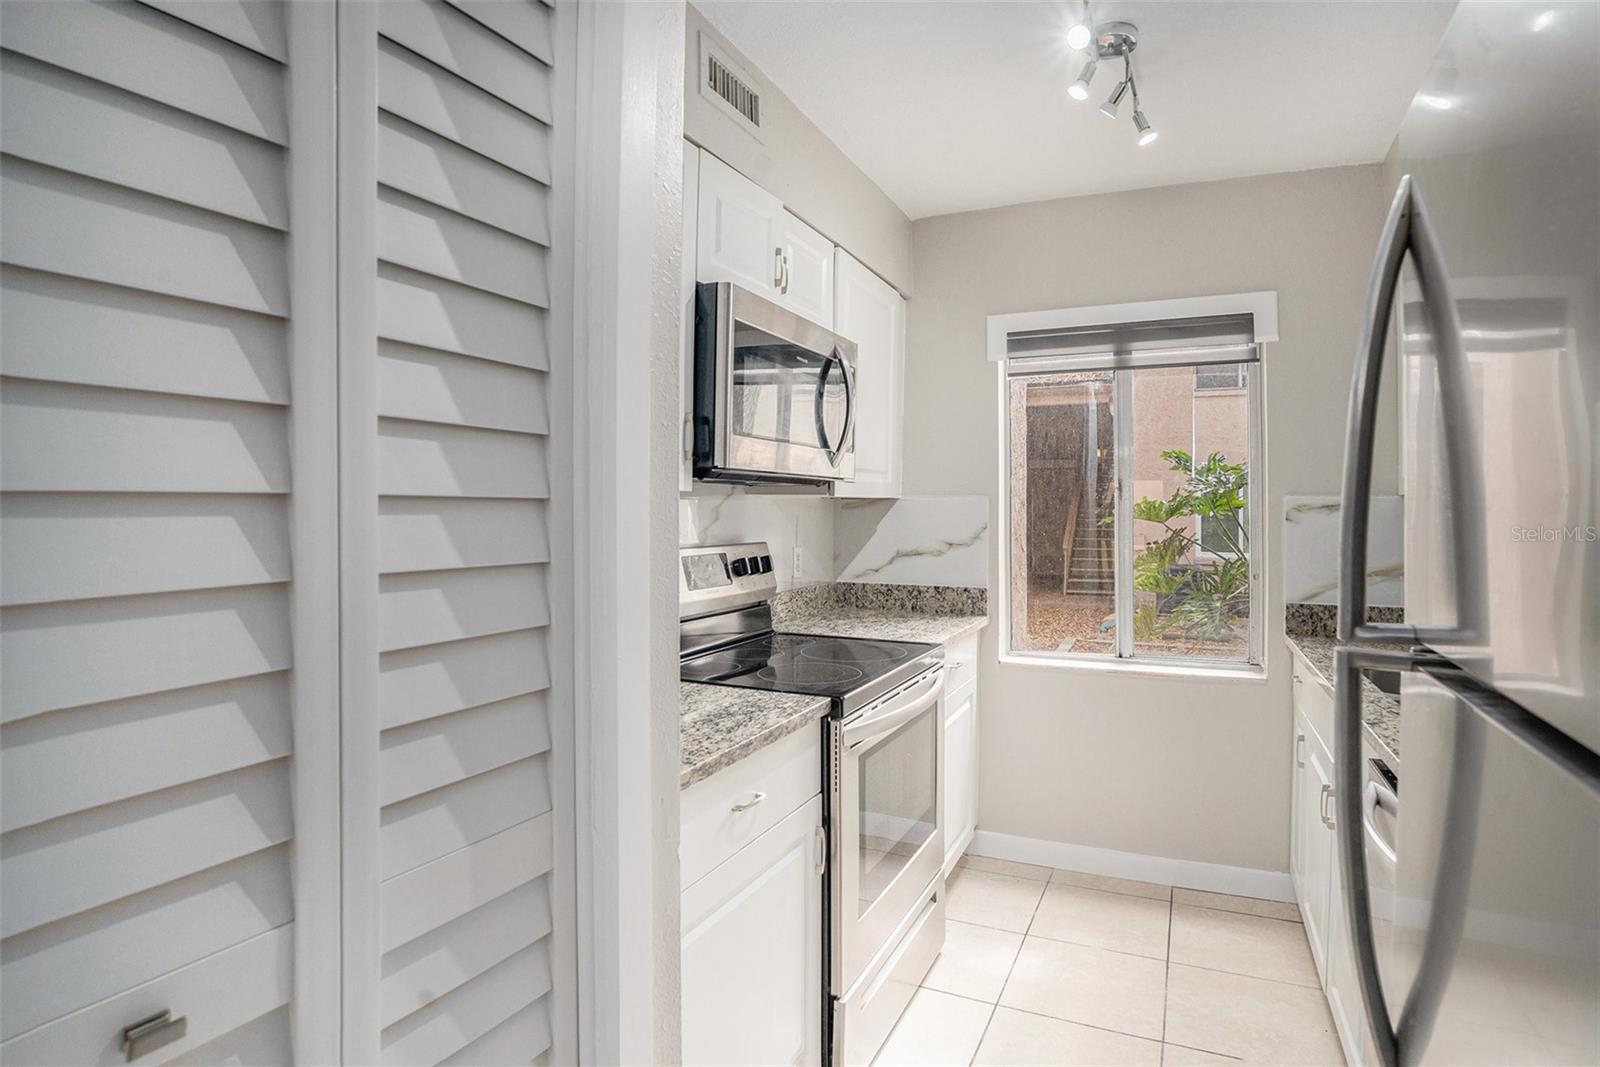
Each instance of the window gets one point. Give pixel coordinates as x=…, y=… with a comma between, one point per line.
x=1129, y=534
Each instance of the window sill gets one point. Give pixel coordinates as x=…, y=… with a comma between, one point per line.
x=1195, y=672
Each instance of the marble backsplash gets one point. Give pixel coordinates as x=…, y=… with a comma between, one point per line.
x=1311, y=551
x=785, y=521
x=913, y=541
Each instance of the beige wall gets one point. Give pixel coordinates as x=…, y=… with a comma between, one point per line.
x=800, y=166
x=1182, y=768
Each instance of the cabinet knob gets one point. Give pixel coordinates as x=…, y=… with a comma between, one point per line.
x=152, y=1033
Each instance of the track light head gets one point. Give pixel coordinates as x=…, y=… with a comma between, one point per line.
x=1079, y=90
x=1109, y=108
x=1147, y=132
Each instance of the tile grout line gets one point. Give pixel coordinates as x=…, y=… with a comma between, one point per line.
x=1166, y=984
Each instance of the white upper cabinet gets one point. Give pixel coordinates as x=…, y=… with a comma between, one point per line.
x=739, y=230
x=868, y=311
x=807, y=271
x=743, y=235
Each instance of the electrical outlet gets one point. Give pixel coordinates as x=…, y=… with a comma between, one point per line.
x=797, y=561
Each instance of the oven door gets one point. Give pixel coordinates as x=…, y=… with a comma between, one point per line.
x=888, y=842
x=780, y=395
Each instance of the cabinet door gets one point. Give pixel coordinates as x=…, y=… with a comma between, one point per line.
x=960, y=772
x=808, y=276
x=869, y=312
x=691, y=234
x=1317, y=856
x=752, y=950
x=738, y=230
x=1340, y=981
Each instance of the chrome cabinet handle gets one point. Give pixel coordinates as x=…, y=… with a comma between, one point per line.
x=752, y=802
x=1300, y=750
x=820, y=840
x=1408, y=229
x=1322, y=807
x=777, y=268
x=786, y=271
x=152, y=1033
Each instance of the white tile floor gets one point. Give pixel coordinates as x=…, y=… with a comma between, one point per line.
x=1044, y=966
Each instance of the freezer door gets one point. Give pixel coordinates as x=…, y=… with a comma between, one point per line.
x=1503, y=145
x=1499, y=855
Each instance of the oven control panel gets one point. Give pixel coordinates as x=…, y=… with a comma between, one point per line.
x=714, y=578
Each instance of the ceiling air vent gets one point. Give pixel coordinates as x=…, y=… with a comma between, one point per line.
x=727, y=87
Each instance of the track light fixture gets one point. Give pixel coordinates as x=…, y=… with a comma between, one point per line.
x=1114, y=40
x=1079, y=90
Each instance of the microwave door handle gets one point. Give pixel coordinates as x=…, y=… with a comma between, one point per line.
x=849, y=407
x=1408, y=229
x=836, y=450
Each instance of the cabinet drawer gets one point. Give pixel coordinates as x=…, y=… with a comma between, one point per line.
x=961, y=662
x=216, y=997
x=1312, y=699
x=784, y=775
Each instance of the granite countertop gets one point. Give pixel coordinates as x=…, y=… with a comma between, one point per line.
x=884, y=624
x=722, y=724
x=1379, y=710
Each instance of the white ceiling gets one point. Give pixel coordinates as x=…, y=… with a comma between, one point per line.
x=952, y=106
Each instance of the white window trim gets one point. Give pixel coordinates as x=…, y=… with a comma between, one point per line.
x=1262, y=306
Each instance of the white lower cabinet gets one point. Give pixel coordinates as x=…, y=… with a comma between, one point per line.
x=752, y=950
x=1314, y=863
x=960, y=748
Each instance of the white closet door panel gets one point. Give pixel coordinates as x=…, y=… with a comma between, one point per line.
x=433, y=98
x=467, y=1013
x=59, y=222
x=53, y=970
x=433, y=313
x=418, y=459
x=428, y=755
x=83, y=438
x=422, y=683
x=420, y=971
x=523, y=1038
x=217, y=995
x=146, y=52
x=447, y=37
x=525, y=25
x=427, y=385
x=83, y=652
x=124, y=544
x=414, y=233
x=51, y=116
x=68, y=330
x=435, y=823
x=433, y=607
x=436, y=533
x=255, y=24
x=65, y=866
x=441, y=172
x=72, y=760
x=263, y=1042
x=428, y=897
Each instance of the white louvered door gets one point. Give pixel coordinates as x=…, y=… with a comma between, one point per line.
x=282, y=749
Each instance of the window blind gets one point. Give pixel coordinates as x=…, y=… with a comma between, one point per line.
x=1160, y=343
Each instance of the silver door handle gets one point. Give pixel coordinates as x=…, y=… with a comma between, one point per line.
x=1322, y=807
x=785, y=271
x=1300, y=750
x=777, y=268
x=820, y=841
x=1408, y=229
x=1373, y=797
x=752, y=802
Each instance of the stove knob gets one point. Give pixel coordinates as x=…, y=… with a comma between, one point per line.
x=754, y=564
x=766, y=564
x=740, y=569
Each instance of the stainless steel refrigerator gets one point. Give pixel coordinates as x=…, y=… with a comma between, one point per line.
x=1486, y=294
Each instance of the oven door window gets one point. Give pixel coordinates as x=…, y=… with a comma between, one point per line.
x=785, y=392
x=899, y=801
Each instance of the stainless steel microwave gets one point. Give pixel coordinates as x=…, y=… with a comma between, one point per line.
x=774, y=393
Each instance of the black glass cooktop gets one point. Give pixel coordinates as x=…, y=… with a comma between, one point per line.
x=850, y=670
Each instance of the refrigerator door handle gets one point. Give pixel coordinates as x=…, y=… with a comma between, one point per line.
x=1407, y=230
